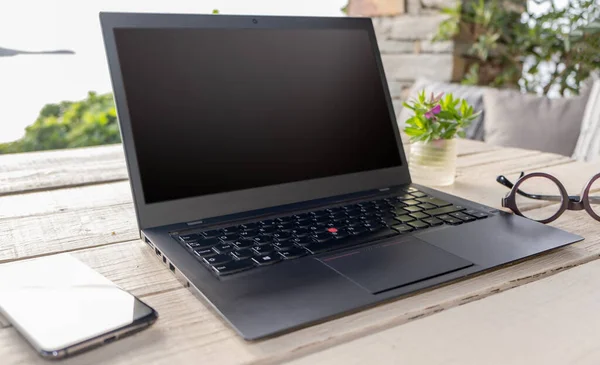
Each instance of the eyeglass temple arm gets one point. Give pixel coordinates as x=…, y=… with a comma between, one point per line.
x=504, y=181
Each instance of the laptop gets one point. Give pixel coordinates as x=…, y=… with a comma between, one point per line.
x=268, y=171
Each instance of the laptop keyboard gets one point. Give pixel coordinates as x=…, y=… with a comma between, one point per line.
x=242, y=247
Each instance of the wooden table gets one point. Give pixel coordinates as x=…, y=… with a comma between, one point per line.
x=79, y=201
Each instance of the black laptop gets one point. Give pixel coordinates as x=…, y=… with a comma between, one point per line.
x=268, y=172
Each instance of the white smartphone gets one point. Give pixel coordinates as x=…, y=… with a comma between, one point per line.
x=62, y=307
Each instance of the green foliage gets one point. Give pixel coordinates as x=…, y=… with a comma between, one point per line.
x=507, y=45
x=89, y=122
x=439, y=117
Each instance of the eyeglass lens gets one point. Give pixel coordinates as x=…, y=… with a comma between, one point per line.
x=530, y=201
x=594, y=196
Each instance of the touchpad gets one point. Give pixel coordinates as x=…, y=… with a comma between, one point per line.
x=392, y=265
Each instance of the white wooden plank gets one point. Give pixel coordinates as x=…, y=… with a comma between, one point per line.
x=65, y=231
x=67, y=199
x=35, y=171
x=550, y=321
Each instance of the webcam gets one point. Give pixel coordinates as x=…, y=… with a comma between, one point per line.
x=254, y=21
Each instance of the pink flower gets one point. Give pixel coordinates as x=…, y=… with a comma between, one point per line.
x=434, y=111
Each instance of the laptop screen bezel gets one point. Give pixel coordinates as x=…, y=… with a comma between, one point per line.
x=209, y=206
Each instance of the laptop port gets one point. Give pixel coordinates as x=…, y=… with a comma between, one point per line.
x=171, y=267
x=165, y=259
x=157, y=251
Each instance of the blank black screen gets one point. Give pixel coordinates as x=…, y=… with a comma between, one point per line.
x=218, y=110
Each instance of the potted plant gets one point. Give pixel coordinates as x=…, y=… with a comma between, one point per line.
x=432, y=131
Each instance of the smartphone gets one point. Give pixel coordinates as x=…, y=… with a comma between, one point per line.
x=62, y=307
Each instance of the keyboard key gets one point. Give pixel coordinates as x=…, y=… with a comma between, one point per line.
x=335, y=210
x=243, y=243
x=434, y=201
x=250, y=233
x=419, y=215
x=301, y=232
x=303, y=241
x=212, y=233
x=355, y=231
x=426, y=206
x=317, y=228
x=413, y=209
x=248, y=226
x=322, y=237
x=263, y=250
x=192, y=245
x=404, y=218
x=288, y=219
x=232, y=229
x=405, y=197
x=284, y=245
x=285, y=226
x=320, y=213
x=242, y=254
x=444, y=210
x=304, y=224
x=189, y=237
x=386, y=214
x=449, y=219
x=302, y=216
x=267, y=259
x=282, y=236
x=389, y=221
x=340, y=234
x=418, y=224
x=397, y=205
x=411, y=202
x=229, y=237
x=293, y=253
x=267, y=230
x=462, y=216
x=263, y=240
x=336, y=215
x=354, y=213
x=268, y=222
x=476, y=214
x=374, y=226
x=205, y=252
x=403, y=228
x=217, y=259
x=207, y=242
x=418, y=194
x=233, y=267
x=433, y=221
x=224, y=247
x=410, y=189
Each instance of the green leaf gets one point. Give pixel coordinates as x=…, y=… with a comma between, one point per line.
x=413, y=132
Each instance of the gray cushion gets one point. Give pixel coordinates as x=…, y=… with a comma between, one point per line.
x=533, y=122
x=473, y=95
x=588, y=144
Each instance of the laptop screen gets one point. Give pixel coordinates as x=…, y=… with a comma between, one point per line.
x=219, y=110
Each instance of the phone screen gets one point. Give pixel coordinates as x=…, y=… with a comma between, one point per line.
x=57, y=302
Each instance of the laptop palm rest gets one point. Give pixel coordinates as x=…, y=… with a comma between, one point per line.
x=392, y=265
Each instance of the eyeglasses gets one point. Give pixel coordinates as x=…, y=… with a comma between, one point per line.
x=540, y=190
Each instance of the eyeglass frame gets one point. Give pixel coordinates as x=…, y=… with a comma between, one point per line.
x=568, y=202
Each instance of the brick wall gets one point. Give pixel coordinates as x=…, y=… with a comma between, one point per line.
x=404, y=30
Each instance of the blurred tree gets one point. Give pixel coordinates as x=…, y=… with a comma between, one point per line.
x=89, y=122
